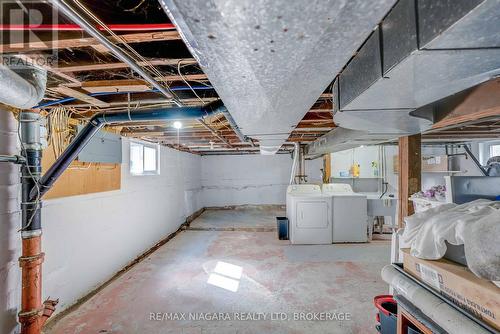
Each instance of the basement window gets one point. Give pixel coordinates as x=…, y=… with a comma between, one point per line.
x=144, y=159
x=494, y=150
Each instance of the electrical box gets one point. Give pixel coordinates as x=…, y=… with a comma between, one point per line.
x=104, y=147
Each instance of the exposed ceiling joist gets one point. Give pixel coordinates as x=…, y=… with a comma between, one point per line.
x=120, y=65
x=88, y=42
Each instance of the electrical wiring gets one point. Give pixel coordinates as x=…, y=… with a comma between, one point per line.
x=59, y=130
x=138, y=57
x=186, y=82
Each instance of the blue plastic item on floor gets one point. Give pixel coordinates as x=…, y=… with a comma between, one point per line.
x=282, y=228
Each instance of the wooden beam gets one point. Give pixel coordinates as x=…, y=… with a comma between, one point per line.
x=81, y=96
x=327, y=168
x=89, y=41
x=115, y=86
x=129, y=85
x=409, y=177
x=114, y=66
x=482, y=102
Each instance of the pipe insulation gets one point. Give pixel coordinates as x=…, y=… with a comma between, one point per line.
x=296, y=155
x=436, y=309
x=23, y=87
x=99, y=120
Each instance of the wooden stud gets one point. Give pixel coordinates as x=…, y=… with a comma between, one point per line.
x=115, y=66
x=409, y=178
x=81, y=96
x=327, y=168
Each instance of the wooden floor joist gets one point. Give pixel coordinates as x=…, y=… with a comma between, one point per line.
x=115, y=66
x=88, y=42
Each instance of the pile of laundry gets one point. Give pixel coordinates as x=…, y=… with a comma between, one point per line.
x=476, y=225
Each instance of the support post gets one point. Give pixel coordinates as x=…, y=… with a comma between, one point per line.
x=410, y=173
x=327, y=168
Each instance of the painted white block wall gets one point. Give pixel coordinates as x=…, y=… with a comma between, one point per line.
x=250, y=179
x=10, y=243
x=88, y=238
x=342, y=161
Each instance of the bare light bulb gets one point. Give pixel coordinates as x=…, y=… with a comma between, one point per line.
x=177, y=125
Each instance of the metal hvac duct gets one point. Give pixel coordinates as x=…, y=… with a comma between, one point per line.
x=22, y=87
x=409, y=62
x=269, y=60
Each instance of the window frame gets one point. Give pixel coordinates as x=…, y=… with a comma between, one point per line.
x=156, y=147
x=490, y=148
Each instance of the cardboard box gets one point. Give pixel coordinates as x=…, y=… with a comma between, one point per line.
x=458, y=284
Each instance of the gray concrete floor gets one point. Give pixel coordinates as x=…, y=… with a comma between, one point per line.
x=243, y=277
x=263, y=219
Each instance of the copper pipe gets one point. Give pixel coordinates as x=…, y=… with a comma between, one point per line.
x=32, y=309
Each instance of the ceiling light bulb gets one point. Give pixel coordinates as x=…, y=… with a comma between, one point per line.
x=177, y=125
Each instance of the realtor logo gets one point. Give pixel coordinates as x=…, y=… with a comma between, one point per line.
x=26, y=33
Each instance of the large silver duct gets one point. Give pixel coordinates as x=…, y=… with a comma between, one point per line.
x=22, y=88
x=411, y=61
x=270, y=60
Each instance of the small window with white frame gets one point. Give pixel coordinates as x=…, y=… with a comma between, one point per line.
x=494, y=150
x=144, y=159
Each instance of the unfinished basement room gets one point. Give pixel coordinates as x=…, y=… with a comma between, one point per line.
x=250, y=167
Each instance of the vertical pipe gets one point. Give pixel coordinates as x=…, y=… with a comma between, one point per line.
x=31, y=259
x=294, y=163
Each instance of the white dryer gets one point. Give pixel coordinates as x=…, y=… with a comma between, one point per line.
x=349, y=213
x=296, y=189
x=309, y=214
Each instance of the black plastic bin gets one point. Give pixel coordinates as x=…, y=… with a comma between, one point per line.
x=282, y=228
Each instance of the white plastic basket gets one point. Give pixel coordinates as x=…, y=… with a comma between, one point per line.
x=423, y=204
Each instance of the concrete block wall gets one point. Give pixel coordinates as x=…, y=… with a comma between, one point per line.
x=10, y=219
x=88, y=238
x=250, y=179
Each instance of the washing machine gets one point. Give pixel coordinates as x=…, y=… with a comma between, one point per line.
x=309, y=215
x=349, y=213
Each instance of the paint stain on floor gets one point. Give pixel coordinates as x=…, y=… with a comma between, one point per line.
x=239, y=282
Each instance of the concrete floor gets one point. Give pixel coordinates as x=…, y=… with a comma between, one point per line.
x=243, y=277
x=263, y=219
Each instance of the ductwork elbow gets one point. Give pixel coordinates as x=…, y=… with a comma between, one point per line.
x=22, y=87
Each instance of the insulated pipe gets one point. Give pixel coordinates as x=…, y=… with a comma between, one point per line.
x=76, y=17
x=76, y=27
x=22, y=88
x=101, y=119
x=437, y=310
x=296, y=154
